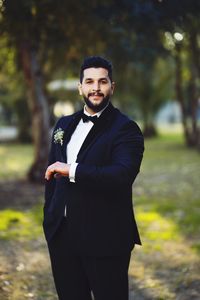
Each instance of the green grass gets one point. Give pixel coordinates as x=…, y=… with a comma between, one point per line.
x=18, y=225
x=167, y=207
x=15, y=160
x=166, y=192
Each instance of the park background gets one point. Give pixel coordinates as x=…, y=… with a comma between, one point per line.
x=155, y=49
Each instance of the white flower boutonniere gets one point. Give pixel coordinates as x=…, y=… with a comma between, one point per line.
x=58, y=136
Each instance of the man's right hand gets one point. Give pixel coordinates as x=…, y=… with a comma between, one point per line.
x=58, y=168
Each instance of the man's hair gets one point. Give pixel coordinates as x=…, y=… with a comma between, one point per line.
x=96, y=62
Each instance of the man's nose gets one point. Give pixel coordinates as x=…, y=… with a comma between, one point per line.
x=96, y=86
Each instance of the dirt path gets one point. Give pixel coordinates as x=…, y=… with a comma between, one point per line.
x=171, y=272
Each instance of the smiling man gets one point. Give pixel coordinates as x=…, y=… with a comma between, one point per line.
x=89, y=222
x=96, y=89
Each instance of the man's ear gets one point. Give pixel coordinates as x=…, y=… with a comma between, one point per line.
x=80, y=89
x=112, y=86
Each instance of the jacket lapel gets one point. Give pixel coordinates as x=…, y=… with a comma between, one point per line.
x=100, y=126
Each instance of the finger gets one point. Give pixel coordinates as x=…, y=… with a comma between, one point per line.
x=49, y=172
x=47, y=175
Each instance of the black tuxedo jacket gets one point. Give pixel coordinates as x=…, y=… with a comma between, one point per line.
x=99, y=204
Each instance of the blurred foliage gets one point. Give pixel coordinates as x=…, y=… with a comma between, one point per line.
x=142, y=38
x=11, y=83
x=150, y=89
x=12, y=92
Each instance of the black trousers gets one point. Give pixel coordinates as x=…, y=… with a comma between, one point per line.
x=76, y=276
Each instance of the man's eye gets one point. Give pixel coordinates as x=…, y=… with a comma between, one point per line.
x=88, y=81
x=104, y=81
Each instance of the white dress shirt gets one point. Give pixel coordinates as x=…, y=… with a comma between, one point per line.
x=76, y=141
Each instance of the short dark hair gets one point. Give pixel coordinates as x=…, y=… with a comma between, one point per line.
x=96, y=62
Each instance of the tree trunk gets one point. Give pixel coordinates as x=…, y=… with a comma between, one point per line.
x=196, y=74
x=38, y=106
x=193, y=104
x=195, y=49
x=179, y=92
x=149, y=128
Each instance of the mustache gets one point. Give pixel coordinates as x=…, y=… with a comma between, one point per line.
x=96, y=94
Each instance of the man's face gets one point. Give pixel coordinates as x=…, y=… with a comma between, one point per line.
x=96, y=88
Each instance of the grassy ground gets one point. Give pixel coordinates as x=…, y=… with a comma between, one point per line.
x=166, y=199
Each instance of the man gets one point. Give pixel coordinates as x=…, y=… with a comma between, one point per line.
x=88, y=216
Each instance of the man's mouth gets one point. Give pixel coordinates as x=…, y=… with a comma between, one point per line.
x=96, y=95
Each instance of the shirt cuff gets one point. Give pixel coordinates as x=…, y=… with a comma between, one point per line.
x=72, y=172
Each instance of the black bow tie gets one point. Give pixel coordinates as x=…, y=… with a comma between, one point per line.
x=86, y=118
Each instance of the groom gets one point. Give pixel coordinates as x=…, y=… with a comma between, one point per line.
x=88, y=215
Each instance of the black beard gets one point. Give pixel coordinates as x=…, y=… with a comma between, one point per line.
x=96, y=107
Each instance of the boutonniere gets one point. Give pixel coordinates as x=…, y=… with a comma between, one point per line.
x=58, y=136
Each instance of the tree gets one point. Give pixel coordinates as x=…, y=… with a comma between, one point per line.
x=181, y=24
x=44, y=34
x=17, y=20
x=12, y=91
x=139, y=52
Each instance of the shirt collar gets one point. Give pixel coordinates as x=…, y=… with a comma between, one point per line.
x=97, y=114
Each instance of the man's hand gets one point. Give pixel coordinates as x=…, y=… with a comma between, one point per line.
x=58, y=169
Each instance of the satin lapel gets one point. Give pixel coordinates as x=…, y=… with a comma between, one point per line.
x=99, y=127
x=69, y=131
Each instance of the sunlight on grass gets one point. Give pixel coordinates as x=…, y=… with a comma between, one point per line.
x=16, y=160
x=154, y=285
x=15, y=224
x=155, y=227
x=164, y=250
x=173, y=129
x=166, y=199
